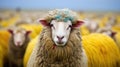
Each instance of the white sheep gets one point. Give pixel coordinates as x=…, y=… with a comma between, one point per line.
x=59, y=52
x=17, y=45
x=91, y=25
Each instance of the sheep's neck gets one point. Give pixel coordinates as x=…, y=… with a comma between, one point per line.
x=54, y=46
x=17, y=52
x=61, y=56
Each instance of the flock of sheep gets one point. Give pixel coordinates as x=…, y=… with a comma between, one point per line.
x=59, y=38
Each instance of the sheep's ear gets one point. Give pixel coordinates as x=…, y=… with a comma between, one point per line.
x=10, y=31
x=113, y=34
x=28, y=32
x=43, y=22
x=78, y=23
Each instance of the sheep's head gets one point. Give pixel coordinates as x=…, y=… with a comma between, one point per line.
x=19, y=36
x=107, y=31
x=61, y=24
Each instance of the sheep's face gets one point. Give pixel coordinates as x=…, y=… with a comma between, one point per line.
x=60, y=32
x=19, y=36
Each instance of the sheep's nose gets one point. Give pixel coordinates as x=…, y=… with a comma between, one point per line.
x=18, y=43
x=60, y=37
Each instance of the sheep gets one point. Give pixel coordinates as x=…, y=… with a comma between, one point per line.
x=91, y=25
x=29, y=49
x=59, y=44
x=17, y=46
x=58, y=55
x=113, y=33
x=101, y=50
x=35, y=28
x=4, y=35
x=107, y=31
x=9, y=22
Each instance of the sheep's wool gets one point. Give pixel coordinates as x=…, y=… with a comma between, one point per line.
x=62, y=15
x=4, y=40
x=117, y=39
x=46, y=55
x=101, y=51
x=29, y=50
x=16, y=54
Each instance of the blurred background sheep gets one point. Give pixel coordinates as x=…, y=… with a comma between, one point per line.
x=101, y=16
x=17, y=45
x=4, y=41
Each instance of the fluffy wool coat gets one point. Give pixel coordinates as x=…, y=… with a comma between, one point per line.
x=46, y=54
x=16, y=54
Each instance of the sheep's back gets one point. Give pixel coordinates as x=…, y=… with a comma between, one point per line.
x=29, y=50
x=4, y=40
x=101, y=50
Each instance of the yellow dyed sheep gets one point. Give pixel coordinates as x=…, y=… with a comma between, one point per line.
x=4, y=35
x=29, y=50
x=101, y=51
x=4, y=40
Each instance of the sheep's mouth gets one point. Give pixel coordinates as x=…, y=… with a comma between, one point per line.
x=60, y=44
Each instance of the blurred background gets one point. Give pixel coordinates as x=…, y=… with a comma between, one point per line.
x=101, y=16
x=80, y=5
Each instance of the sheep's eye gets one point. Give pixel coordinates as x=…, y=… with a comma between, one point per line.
x=70, y=26
x=51, y=25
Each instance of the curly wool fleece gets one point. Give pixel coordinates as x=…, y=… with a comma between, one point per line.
x=62, y=15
